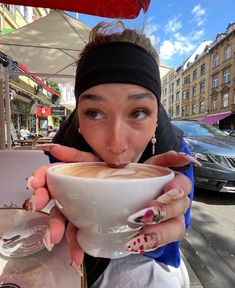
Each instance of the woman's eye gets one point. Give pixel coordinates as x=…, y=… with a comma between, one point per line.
x=93, y=114
x=139, y=114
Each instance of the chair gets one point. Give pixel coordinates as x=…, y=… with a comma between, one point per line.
x=15, y=167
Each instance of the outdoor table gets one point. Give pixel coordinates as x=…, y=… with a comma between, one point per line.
x=43, y=140
x=39, y=270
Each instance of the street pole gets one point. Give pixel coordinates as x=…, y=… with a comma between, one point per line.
x=2, y=118
x=8, y=110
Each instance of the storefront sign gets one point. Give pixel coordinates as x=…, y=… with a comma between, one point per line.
x=59, y=111
x=43, y=111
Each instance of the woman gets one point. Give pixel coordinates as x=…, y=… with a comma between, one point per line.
x=119, y=119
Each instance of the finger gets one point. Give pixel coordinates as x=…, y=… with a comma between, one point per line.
x=178, y=188
x=76, y=252
x=160, y=212
x=68, y=154
x=154, y=236
x=38, y=200
x=172, y=159
x=38, y=179
x=56, y=229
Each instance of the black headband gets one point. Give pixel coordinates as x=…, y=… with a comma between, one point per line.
x=118, y=62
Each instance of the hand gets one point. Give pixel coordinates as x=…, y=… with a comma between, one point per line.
x=163, y=219
x=173, y=211
x=40, y=198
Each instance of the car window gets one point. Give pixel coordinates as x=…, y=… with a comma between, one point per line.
x=198, y=129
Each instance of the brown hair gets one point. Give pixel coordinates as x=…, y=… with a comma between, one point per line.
x=117, y=32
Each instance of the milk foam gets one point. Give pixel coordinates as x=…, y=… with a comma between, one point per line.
x=100, y=171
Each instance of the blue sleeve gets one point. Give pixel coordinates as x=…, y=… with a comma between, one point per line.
x=170, y=253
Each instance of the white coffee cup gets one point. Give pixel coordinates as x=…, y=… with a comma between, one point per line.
x=98, y=200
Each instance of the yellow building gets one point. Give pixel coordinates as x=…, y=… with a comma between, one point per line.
x=204, y=85
x=222, y=78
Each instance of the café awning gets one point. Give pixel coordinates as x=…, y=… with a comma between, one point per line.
x=104, y=8
x=211, y=119
x=50, y=45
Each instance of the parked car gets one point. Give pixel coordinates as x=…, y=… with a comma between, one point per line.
x=215, y=149
x=230, y=132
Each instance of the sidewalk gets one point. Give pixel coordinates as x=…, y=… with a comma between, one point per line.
x=187, y=253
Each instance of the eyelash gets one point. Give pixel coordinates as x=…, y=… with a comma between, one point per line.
x=92, y=114
x=147, y=112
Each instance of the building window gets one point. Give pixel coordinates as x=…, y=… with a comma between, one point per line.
x=187, y=79
x=185, y=110
x=177, y=95
x=202, y=87
x=187, y=93
x=202, y=107
x=194, y=91
x=194, y=108
x=216, y=60
x=226, y=75
x=215, y=80
x=178, y=82
x=184, y=95
x=227, y=52
x=225, y=100
x=203, y=69
x=195, y=74
x=214, y=104
x=177, y=110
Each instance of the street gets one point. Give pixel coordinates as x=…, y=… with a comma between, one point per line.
x=209, y=245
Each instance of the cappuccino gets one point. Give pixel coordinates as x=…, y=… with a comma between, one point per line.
x=103, y=171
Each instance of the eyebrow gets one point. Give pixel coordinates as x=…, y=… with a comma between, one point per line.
x=91, y=97
x=138, y=96
x=141, y=96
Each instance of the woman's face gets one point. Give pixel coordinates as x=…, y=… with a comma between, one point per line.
x=117, y=121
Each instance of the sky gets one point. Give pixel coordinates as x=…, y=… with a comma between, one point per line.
x=177, y=27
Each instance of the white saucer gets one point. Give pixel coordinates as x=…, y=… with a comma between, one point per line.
x=24, y=239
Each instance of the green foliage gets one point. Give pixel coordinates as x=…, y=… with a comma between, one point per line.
x=54, y=85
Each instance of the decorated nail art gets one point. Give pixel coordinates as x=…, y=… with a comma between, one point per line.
x=172, y=195
x=150, y=215
x=29, y=185
x=190, y=158
x=143, y=243
x=77, y=268
x=45, y=147
x=47, y=240
x=29, y=204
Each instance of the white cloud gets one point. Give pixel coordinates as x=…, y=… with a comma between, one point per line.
x=178, y=44
x=173, y=25
x=197, y=35
x=198, y=15
x=167, y=50
x=150, y=31
x=170, y=48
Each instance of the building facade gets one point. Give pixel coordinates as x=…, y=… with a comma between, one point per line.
x=204, y=85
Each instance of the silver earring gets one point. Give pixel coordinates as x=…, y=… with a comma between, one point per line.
x=153, y=141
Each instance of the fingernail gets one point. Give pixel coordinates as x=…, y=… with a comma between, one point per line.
x=47, y=240
x=77, y=268
x=190, y=158
x=29, y=204
x=150, y=215
x=171, y=195
x=45, y=147
x=143, y=243
x=29, y=185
